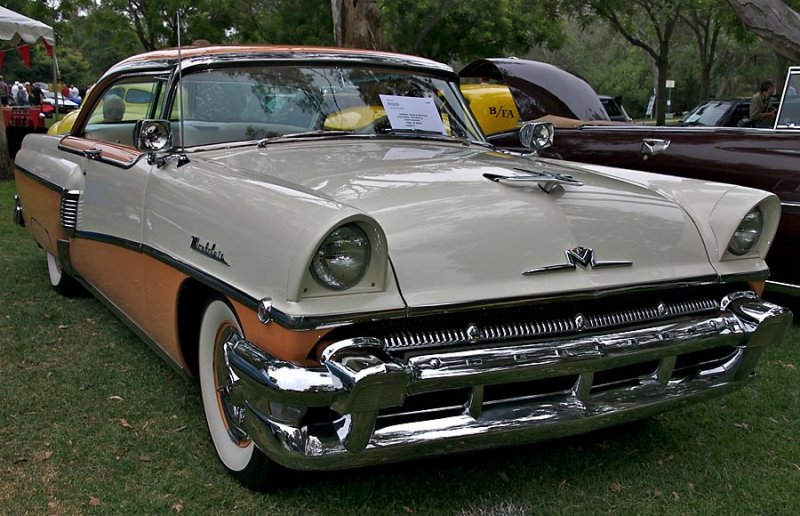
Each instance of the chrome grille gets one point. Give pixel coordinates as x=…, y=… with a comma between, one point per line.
x=69, y=209
x=529, y=326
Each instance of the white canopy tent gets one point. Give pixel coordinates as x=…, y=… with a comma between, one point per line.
x=19, y=29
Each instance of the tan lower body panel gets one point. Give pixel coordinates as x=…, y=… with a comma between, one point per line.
x=40, y=207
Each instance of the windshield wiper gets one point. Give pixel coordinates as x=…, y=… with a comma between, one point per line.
x=426, y=135
x=305, y=134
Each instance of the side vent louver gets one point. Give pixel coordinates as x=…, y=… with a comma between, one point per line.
x=69, y=210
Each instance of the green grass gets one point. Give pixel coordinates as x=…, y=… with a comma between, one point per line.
x=88, y=411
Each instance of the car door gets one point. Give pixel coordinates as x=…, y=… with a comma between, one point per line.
x=109, y=204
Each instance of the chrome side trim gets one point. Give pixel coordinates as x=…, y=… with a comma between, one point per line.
x=786, y=289
x=357, y=379
x=307, y=322
x=69, y=210
x=44, y=182
x=790, y=204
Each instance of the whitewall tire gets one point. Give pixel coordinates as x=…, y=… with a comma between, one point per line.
x=236, y=452
x=60, y=282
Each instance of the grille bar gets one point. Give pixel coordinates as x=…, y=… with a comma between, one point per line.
x=525, y=326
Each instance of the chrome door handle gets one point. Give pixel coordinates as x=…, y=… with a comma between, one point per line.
x=653, y=146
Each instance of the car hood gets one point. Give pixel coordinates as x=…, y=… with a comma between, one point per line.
x=455, y=236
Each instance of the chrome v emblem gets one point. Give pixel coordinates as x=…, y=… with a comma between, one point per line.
x=582, y=256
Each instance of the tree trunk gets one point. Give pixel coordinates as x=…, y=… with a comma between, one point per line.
x=357, y=24
x=662, y=67
x=6, y=167
x=774, y=22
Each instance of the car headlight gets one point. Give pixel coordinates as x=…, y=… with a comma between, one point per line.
x=342, y=259
x=748, y=233
x=536, y=135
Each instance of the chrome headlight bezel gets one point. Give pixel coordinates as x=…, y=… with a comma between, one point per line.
x=748, y=233
x=537, y=135
x=343, y=258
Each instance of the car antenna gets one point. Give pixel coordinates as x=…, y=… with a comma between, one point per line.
x=182, y=157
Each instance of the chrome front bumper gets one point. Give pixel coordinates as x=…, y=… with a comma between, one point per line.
x=359, y=379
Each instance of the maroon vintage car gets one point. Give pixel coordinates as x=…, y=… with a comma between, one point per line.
x=768, y=159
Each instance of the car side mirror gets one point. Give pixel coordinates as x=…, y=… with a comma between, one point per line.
x=152, y=135
x=536, y=135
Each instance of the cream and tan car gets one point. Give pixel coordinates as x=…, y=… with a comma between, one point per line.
x=356, y=293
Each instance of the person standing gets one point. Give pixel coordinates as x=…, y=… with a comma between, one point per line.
x=14, y=90
x=35, y=95
x=762, y=113
x=5, y=91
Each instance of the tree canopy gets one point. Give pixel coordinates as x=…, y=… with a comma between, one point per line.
x=620, y=47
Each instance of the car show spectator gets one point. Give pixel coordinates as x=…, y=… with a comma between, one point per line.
x=21, y=98
x=762, y=113
x=35, y=94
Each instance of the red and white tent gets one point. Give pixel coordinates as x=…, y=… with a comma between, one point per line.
x=19, y=29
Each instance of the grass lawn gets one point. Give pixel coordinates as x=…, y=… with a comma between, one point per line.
x=92, y=422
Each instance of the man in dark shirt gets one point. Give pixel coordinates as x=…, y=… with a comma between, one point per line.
x=762, y=114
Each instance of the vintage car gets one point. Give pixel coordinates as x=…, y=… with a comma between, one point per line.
x=722, y=113
x=359, y=296
x=759, y=158
x=614, y=108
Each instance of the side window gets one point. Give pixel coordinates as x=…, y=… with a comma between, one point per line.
x=121, y=105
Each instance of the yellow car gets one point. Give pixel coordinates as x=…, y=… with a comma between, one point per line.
x=64, y=124
x=493, y=106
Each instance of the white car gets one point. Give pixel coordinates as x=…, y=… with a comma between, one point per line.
x=64, y=105
x=325, y=239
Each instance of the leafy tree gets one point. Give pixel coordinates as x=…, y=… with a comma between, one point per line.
x=448, y=30
x=294, y=22
x=646, y=24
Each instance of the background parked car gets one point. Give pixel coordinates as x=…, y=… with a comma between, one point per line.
x=64, y=104
x=722, y=113
x=616, y=112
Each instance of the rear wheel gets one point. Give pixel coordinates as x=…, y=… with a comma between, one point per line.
x=63, y=284
x=235, y=450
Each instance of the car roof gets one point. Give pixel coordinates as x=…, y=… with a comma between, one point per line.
x=198, y=54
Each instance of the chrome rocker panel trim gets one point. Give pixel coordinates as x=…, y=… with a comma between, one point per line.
x=359, y=378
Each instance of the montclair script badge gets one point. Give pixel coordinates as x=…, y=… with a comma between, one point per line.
x=576, y=256
x=208, y=249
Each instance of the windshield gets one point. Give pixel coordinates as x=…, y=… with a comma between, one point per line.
x=789, y=115
x=709, y=114
x=251, y=103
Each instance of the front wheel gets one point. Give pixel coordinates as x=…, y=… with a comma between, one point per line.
x=236, y=451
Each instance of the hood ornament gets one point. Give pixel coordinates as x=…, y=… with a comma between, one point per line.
x=576, y=256
x=547, y=181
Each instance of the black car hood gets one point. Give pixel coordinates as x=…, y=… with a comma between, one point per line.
x=540, y=89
